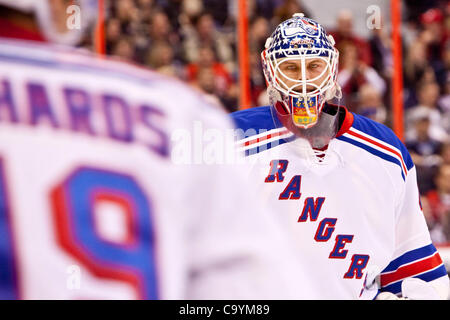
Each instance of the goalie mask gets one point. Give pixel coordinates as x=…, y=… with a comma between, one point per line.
x=300, y=67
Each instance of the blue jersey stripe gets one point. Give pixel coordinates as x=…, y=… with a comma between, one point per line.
x=374, y=152
x=433, y=274
x=268, y=146
x=410, y=256
x=383, y=133
x=395, y=288
x=255, y=120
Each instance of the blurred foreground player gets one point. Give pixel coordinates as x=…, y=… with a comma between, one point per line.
x=343, y=186
x=91, y=204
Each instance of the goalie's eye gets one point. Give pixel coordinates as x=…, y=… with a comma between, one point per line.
x=316, y=65
x=290, y=68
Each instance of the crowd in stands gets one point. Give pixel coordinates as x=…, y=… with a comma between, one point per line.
x=196, y=41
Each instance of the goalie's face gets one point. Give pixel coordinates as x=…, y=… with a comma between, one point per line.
x=303, y=78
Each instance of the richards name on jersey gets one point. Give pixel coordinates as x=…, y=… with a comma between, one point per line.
x=97, y=114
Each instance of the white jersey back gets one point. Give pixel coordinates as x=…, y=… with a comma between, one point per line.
x=91, y=205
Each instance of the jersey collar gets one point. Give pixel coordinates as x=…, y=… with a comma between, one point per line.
x=346, y=123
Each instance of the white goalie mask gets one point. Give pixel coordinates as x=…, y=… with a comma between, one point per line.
x=296, y=91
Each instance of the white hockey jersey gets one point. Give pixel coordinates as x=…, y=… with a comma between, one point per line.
x=92, y=205
x=354, y=212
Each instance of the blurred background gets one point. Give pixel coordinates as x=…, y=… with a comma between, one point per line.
x=196, y=41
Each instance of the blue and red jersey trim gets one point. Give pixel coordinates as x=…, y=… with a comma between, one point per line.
x=424, y=263
x=359, y=131
x=378, y=140
x=261, y=131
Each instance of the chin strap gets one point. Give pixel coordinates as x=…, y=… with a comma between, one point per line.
x=276, y=100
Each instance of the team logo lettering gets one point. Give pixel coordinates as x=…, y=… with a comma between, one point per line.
x=312, y=207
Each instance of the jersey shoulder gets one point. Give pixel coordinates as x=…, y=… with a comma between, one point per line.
x=377, y=136
x=257, y=118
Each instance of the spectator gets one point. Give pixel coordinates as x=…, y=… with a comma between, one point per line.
x=380, y=46
x=221, y=81
x=266, y=9
x=414, y=8
x=207, y=59
x=258, y=34
x=439, y=205
x=160, y=29
x=204, y=34
x=205, y=82
x=371, y=104
x=435, y=227
x=124, y=49
x=344, y=35
x=161, y=58
x=445, y=153
x=218, y=10
x=287, y=9
x=173, y=10
x=433, y=32
x=444, y=101
x=259, y=31
x=428, y=94
x=113, y=33
x=424, y=62
x=257, y=80
x=189, y=10
x=424, y=149
x=123, y=10
x=419, y=142
x=128, y=15
x=417, y=70
x=354, y=73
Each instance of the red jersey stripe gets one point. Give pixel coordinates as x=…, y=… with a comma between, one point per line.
x=411, y=270
x=263, y=138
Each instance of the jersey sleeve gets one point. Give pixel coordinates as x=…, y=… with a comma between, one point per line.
x=415, y=255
